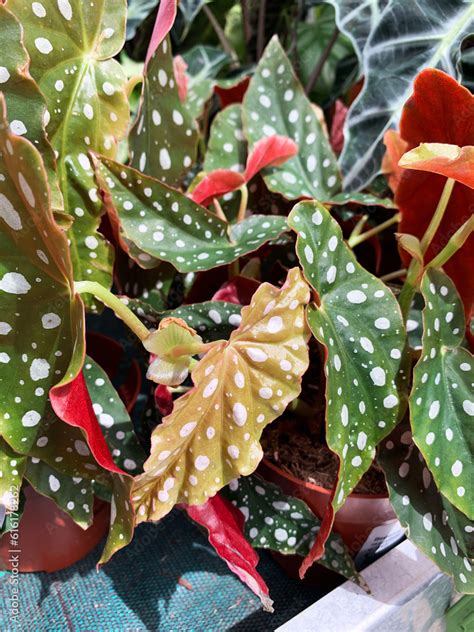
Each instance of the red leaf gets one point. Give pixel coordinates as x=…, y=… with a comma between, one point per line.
x=269, y=152
x=215, y=184
x=238, y=290
x=234, y=94
x=225, y=525
x=164, y=21
x=337, y=127
x=72, y=403
x=449, y=161
x=439, y=111
x=163, y=400
x=396, y=147
x=180, y=67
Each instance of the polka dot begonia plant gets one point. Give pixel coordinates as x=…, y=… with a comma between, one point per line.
x=251, y=289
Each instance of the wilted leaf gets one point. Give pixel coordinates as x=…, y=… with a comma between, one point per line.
x=441, y=402
x=443, y=533
x=358, y=321
x=71, y=48
x=283, y=523
x=155, y=222
x=224, y=524
x=213, y=433
x=163, y=141
x=407, y=37
x=450, y=161
x=275, y=103
x=39, y=317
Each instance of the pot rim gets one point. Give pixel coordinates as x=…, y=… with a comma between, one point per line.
x=318, y=488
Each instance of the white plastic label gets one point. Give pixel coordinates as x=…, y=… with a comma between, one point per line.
x=380, y=540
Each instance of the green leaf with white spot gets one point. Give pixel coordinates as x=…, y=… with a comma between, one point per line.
x=213, y=320
x=73, y=495
x=155, y=222
x=40, y=322
x=240, y=386
x=114, y=419
x=275, y=103
x=71, y=45
x=25, y=103
x=163, y=141
x=441, y=400
x=227, y=148
x=284, y=523
x=433, y=524
x=362, y=199
x=12, y=469
x=359, y=322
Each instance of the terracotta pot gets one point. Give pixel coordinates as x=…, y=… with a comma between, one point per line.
x=360, y=514
x=48, y=538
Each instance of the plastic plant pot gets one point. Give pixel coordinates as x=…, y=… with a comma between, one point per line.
x=355, y=521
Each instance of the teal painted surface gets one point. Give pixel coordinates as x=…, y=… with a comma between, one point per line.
x=139, y=590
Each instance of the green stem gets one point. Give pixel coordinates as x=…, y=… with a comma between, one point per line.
x=438, y=215
x=112, y=301
x=358, y=239
x=317, y=70
x=244, y=198
x=358, y=228
x=455, y=242
x=194, y=349
x=224, y=42
x=409, y=287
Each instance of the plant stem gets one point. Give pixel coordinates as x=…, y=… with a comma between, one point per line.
x=261, y=28
x=438, y=215
x=221, y=35
x=244, y=198
x=246, y=22
x=356, y=231
x=393, y=275
x=112, y=301
x=358, y=239
x=408, y=290
x=194, y=349
x=455, y=242
x=316, y=73
x=219, y=212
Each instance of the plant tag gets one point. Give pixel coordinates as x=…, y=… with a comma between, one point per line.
x=380, y=540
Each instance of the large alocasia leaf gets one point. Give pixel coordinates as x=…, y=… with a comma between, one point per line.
x=163, y=141
x=284, y=523
x=443, y=533
x=275, y=103
x=409, y=36
x=439, y=111
x=25, y=103
x=441, y=401
x=156, y=222
x=71, y=45
x=40, y=322
x=225, y=524
x=241, y=385
x=357, y=319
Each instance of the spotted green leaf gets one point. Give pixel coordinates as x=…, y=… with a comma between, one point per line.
x=114, y=419
x=71, y=45
x=213, y=320
x=284, y=523
x=240, y=386
x=227, y=148
x=362, y=199
x=433, y=524
x=163, y=141
x=358, y=321
x=12, y=468
x=73, y=495
x=275, y=103
x=156, y=222
x=39, y=318
x=25, y=103
x=441, y=401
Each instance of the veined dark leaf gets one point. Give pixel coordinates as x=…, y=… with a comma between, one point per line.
x=137, y=12
x=145, y=211
x=433, y=524
x=241, y=385
x=275, y=103
x=408, y=37
x=441, y=401
x=204, y=63
x=358, y=321
x=163, y=141
x=71, y=45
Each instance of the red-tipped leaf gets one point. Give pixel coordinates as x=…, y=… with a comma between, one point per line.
x=164, y=21
x=272, y=151
x=216, y=184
